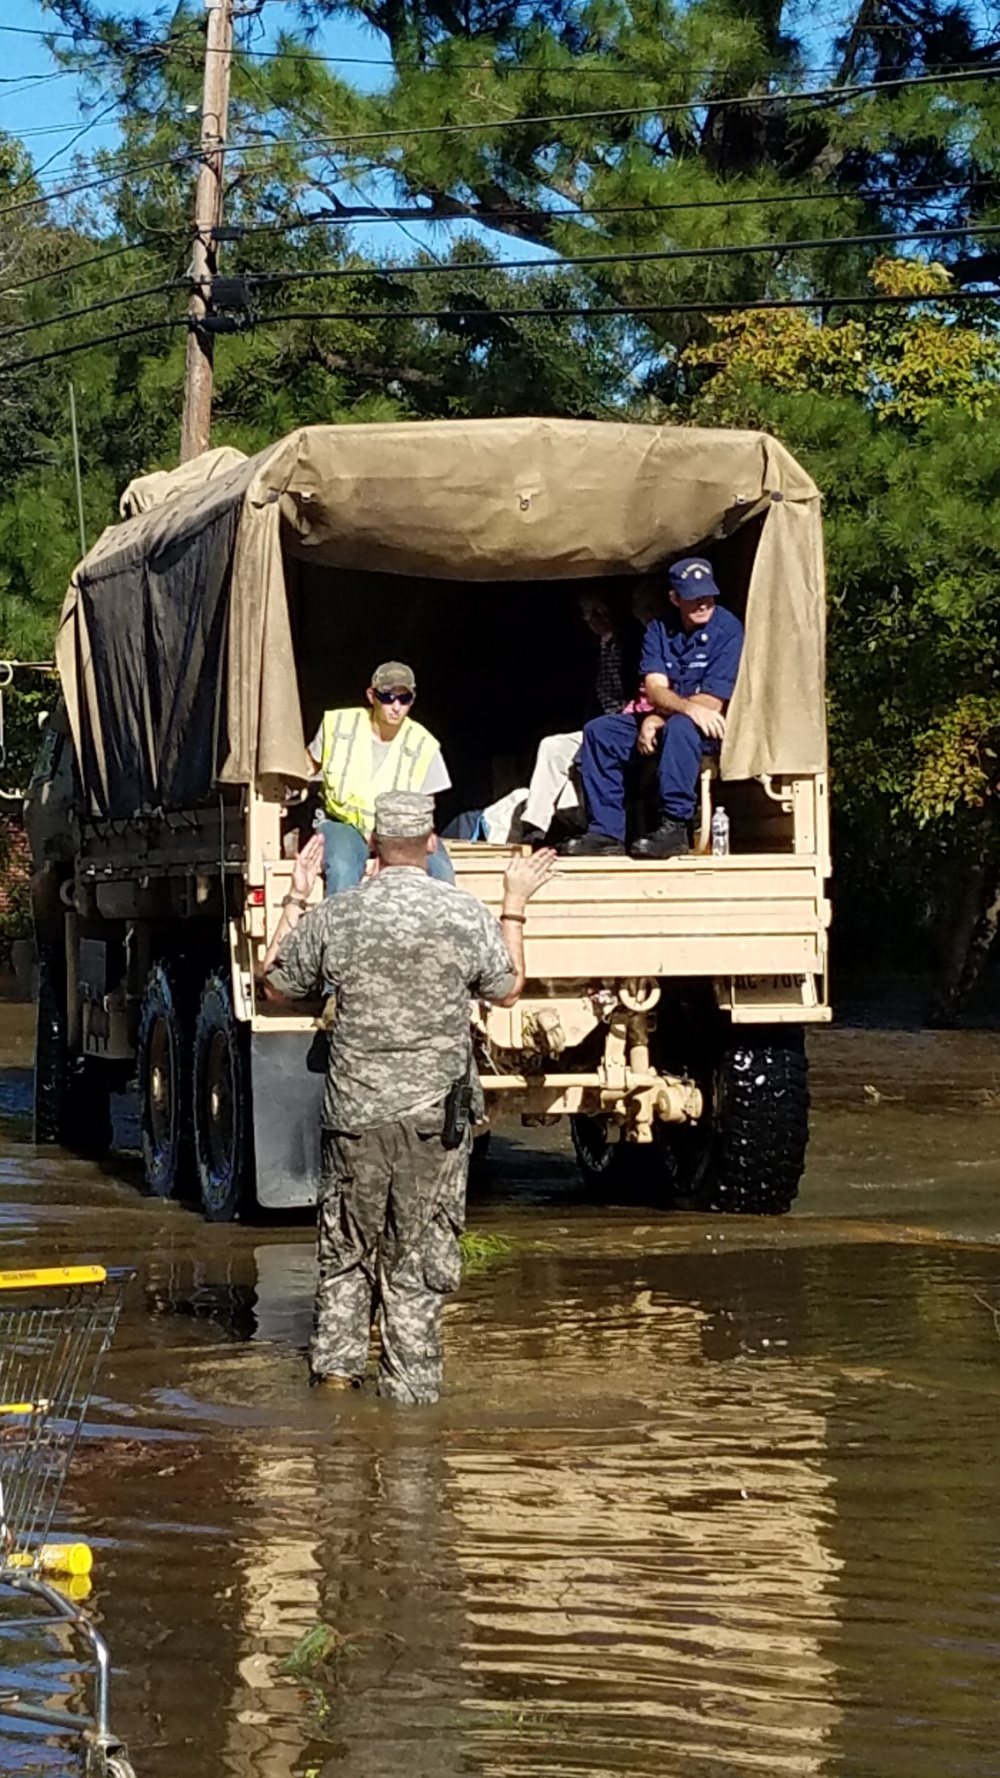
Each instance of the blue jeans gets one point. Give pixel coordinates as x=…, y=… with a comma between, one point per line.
x=345, y=854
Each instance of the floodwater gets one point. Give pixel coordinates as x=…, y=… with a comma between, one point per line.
x=704, y=1497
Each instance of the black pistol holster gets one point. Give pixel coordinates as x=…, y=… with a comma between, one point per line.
x=457, y=1111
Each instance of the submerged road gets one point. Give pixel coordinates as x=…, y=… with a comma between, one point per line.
x=705, y=1497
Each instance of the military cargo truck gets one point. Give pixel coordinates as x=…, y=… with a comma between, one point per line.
x=199, y=643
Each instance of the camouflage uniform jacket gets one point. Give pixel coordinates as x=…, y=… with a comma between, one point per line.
x=404, y=955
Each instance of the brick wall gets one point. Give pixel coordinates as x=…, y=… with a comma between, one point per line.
x=15, y=865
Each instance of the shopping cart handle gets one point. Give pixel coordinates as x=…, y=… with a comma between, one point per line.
x=48, y=1277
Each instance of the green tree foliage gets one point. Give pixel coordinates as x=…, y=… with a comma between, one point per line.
x=897, y=415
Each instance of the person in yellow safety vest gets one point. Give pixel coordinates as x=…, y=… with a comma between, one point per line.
x=362, y=752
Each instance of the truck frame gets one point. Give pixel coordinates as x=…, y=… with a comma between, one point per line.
x=665, y=1002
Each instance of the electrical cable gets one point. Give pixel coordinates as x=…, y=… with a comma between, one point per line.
x=571, y=311
x=108, y=302
x=744, y=101
x=860, y=194
x=498, y=65
x=84, y=130
x=467, y=268
x=397, y=214
x=625, y=311
x=473, y=267
x=394, y=135
x=76, y=265
x=654, y=256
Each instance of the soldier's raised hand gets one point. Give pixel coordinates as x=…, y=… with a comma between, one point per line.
x=307, y=866
x=525, y=875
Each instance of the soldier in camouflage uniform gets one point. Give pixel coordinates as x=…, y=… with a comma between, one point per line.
x=404, y=954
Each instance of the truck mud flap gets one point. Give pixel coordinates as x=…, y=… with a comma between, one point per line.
x=289, y=1069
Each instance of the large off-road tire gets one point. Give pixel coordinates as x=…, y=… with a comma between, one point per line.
x=597, y=1151
x=72, y=1093
x=163, y=1072
x=223, y=1113
x=747, y=1154
x=610, y=1165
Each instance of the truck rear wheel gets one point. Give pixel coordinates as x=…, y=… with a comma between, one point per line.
x=597, y=1156
x=747, y=1153
x=163, y=1070
x=222, y=1109
x=72, y=1093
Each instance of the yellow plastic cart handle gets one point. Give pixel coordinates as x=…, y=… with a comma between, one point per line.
x=49, y=1277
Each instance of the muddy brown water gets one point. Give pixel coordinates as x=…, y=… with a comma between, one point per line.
x=703, y=1498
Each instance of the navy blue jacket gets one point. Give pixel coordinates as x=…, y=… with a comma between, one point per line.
x=706, y=661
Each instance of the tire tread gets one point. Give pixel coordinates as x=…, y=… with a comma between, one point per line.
x=763, y=1127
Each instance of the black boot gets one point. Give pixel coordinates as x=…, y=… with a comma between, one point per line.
x=669, y=841
x=592, y=845
x=533, y=836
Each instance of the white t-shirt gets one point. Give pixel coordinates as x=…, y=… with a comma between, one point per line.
x=437, y=778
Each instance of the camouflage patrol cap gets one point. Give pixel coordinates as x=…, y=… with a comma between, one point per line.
x=403, y=815
x=394, y=676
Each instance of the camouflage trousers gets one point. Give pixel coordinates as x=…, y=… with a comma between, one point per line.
x=391, y=1209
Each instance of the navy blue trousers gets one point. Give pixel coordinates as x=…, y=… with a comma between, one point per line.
x=608, y=745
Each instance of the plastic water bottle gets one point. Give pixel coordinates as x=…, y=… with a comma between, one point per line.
x=720, y=834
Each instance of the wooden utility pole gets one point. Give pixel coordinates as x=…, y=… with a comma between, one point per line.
x=196, y=426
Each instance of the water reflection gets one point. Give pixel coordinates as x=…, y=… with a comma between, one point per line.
x=726, y=1507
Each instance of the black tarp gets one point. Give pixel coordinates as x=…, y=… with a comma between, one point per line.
x=155, y=630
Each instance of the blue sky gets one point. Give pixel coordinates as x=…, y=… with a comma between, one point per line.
x=43, y=105
x=51, y=103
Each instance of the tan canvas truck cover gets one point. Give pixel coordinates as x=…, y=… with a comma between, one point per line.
x=175, y=644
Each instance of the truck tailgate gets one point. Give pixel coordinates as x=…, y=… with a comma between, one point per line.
x=752, y=914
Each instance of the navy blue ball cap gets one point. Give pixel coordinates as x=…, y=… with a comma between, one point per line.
x=692, y=578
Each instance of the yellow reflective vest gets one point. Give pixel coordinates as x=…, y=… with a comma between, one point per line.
x=350, y=785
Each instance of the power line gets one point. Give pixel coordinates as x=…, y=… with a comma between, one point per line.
x=808, y=97
x=499, y=65
x=654, y=256
x=109, y=302
x=101, y=339
x=393, y=134
x=626, y=311
x=26, y=31
x=84, y=130
x=76, y=265
x=473, y=268
x=33, y=79
x=524, y=213
x=574, y=311
x=399, y=214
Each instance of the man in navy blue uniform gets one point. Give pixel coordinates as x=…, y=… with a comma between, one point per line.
x=689, y=664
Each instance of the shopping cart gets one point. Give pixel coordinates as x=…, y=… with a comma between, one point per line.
x=55, y=1326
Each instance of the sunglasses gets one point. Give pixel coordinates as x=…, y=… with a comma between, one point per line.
x=395, y=697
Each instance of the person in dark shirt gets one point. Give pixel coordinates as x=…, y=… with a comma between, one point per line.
x=552, y=787
x=689, y=666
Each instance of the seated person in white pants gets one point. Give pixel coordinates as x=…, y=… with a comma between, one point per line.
x=552, y=786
